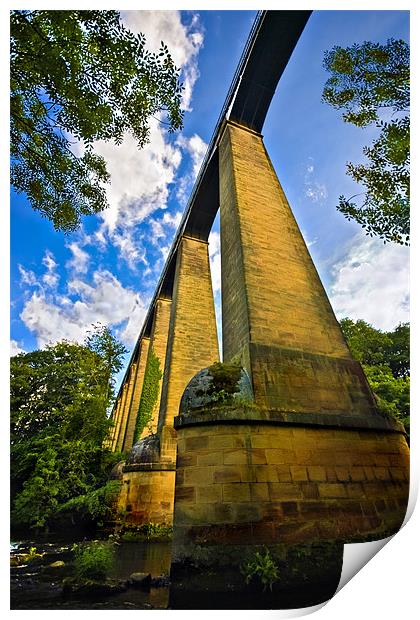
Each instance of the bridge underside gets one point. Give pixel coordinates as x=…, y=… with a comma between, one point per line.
x=306, y=456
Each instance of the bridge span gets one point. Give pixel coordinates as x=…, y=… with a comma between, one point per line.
x=282, y=444
x=267, y=51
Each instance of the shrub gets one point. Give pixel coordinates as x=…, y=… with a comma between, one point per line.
x=98, y=505
x=148, y=532
x=93, y=560
x=263, y=568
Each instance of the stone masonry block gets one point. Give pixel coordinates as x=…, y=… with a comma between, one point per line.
x=298, y=473
x=282, y=491
x=316, y=473
x=279, y=457
x=226, y=474
x=332, y=490
x=198, y=475
x=235, y=457
x=233, y=493
x=269, y=473
x=259, y=492
x=211, y=458
x=185, y=494
x=209, y=493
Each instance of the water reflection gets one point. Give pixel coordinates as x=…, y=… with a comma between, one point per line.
x=32, y=588
x=140, y=557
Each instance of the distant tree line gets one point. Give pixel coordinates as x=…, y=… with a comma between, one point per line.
x=385, y=358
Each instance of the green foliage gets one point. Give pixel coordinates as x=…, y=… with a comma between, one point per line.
x=225, y=378
x=93, y=560
x=393, y=393
x=30, y=557
x=385, y=357
x=59, y=401
x=368, y=81
x=372, y=347
x=149, y=394
x=80, y=75
x=263, y=568
x=148, y=532
x=97, y=505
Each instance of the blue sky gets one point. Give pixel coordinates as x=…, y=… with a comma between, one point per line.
x=108, y=270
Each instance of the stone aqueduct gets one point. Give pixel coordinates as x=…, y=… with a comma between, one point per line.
x=309, y=457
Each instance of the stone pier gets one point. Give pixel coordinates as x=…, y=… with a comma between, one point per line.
x=184, y=339
x=309, y=462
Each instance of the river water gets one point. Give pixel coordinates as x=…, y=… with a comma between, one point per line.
x=35, y=586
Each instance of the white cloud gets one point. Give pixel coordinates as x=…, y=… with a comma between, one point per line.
x=164, y=250
x=139, y=178
x=80, y=260
x=172, y=220
x=184, y=41
x=157, y=230
x=371, y=282
x=163, y=229
x=314, y=189
x=105, y=300
x=27, y=277
x=309, y=242
x=51, y=277
x=15, y=348
x=316, y=192
x=196, y=148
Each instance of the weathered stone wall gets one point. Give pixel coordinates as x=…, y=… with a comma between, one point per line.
x=276, y=315
x=125, y=409
x=136, y=394
x=268, y=484
x=158, y=344
x=118, y=416
x=192, y=343
x=147, y=496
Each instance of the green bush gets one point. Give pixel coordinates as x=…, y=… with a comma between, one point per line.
x=149, y=532
x=93, y=560
x=98, y=505
x=263, y=568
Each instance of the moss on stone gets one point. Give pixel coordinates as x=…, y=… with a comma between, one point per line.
x=149, y=394
x=225, y=377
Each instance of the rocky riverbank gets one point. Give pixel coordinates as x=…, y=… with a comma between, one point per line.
x=43, y=577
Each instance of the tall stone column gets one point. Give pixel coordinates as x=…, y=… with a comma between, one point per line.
x=136, y=393
x=157, y=347
x=117, y=418
x=311, y=463
x=126, y=406
x=276, y=315
x=192, y=342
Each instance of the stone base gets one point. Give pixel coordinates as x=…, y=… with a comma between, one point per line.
x=147, y=494
x=148, y=481
x=246, y=481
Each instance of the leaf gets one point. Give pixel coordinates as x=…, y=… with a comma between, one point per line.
x=78, y=73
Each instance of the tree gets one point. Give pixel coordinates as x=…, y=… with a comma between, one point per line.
x=80, y=76
x=59, y=401
x=385, y=357
x=371, y=83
